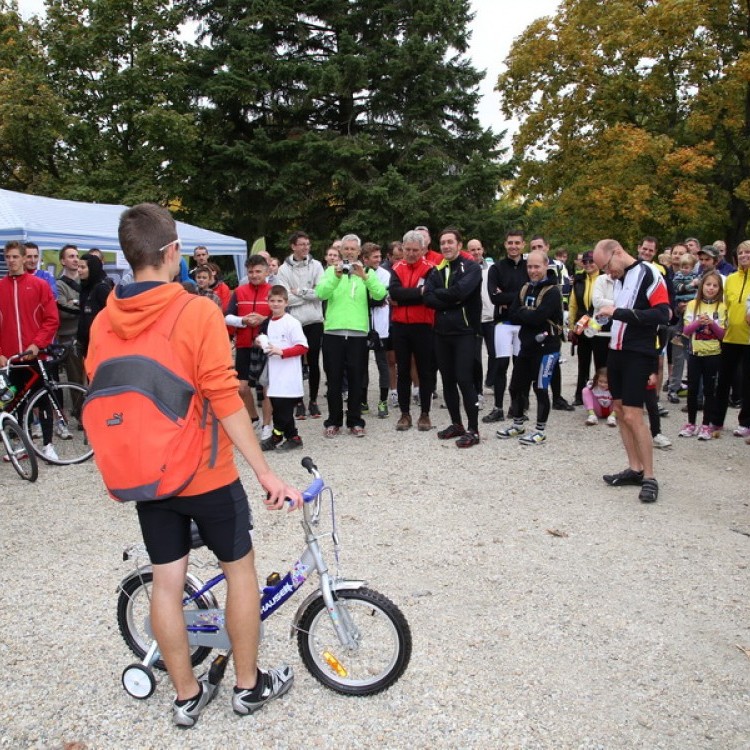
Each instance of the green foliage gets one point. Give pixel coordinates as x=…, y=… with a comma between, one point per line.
x=339, y=116
x=634, y=118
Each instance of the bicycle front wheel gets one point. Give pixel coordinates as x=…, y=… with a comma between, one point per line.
x=19, y=449
x=381, y=643
x=59, y=402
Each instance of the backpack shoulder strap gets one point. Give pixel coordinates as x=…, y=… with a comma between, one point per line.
x=522, y=292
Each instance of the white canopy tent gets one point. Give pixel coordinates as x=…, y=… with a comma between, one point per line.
x=52, y=223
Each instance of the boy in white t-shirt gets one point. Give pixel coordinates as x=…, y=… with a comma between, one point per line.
x=287, y=345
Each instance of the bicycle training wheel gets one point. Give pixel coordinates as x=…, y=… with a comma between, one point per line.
x=133, y=606
x=19, y=450
x=59, y=403
x=380, y=632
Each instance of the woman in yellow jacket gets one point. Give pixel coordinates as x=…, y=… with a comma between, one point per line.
x=735, y=347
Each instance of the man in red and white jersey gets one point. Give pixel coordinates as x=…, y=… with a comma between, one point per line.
x=641, y=305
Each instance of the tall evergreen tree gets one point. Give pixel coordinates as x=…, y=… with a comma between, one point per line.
x=119, y=65
x=339, y=115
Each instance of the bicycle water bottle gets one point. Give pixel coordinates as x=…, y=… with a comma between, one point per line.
x=7, y=392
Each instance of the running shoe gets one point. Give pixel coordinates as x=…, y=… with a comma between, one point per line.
x=705, y=433
x=561, y=404
x=364, y=409
x=534, y=438
x=592, y=420
x=313, y=411
x=627, y=477
x=291, y=443
x=332, y=431
x=742, y=432
x=451, y=431
x=496, y=415
x=266, y=432
x=673, y=398
x=299, y=411
x=393, y=398
x=480, y=401
x=663, y=411
x=271, y=684
x=185, y=713
x=357, y=431
x=689, y=430
x=510, y=432
x=468, y=439
x=49, y=453
x=382, y=409
x=612, y=420
x=62, y=431
x=649, y=491
x=662, y=441
x=36, y=430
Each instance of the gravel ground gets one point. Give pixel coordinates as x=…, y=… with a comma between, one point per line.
x=547, y=610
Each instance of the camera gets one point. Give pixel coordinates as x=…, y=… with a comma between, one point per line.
x=346, y=266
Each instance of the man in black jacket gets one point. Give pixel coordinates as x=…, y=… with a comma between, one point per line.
x=453, y=290
x=504, y=280
x=537, y=310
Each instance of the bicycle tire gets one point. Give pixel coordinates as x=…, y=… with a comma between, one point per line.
x=383, y=637
x=19, y=449
x=133, y=605
x=75, y=450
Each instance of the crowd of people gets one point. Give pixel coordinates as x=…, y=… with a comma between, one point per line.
x=637, y=324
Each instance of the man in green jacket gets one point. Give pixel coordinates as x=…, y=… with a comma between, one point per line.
x=347, y=288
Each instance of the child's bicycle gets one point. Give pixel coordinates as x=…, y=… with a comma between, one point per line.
x=352, y=639
x=18, y=448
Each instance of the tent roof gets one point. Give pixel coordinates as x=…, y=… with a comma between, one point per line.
x=51, y=223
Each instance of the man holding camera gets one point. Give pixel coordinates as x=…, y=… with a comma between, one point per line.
x=347, y=287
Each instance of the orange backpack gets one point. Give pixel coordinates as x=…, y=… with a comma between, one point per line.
x=142, y=415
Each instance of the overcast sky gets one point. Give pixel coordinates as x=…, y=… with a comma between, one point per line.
x=496, y=24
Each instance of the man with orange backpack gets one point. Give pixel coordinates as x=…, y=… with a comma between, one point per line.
x=155, y=344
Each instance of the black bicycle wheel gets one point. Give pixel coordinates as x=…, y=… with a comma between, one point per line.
x=19, y=450
x=382, y=643
x=69, y=439
x=133, y=607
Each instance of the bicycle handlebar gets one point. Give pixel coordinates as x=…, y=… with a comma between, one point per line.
x=55, y=353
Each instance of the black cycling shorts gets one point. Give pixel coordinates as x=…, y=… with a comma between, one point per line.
x=628, y=374
x=222, y=515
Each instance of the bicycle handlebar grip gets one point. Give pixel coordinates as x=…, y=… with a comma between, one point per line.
x=307, y=463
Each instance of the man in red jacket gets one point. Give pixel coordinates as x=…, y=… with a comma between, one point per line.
x=411, y=328
x=28, y=322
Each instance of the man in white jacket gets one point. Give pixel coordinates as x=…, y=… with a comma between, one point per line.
x=299, y=273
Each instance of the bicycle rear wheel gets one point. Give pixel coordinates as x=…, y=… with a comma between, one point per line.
x=59, y=401
x=19, y=449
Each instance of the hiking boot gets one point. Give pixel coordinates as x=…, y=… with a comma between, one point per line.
x=560, y=404
x=49, y=453
x=706, y=432
x=689, y=430
x=332, y=431
x=423, y=423
x=592, y=420
x=534, y=438
x=382, y=409
x=627, y=477
x=496, y=415
x=357, y=431
x=662, y=441
x=291, y=443
x=510, y=432
x=313, y=411
x=271, y=684
x=404, y=423
x=185, y=713
x=451, y=431
x=649, y=491
x=299, y=411
x=468, y=439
